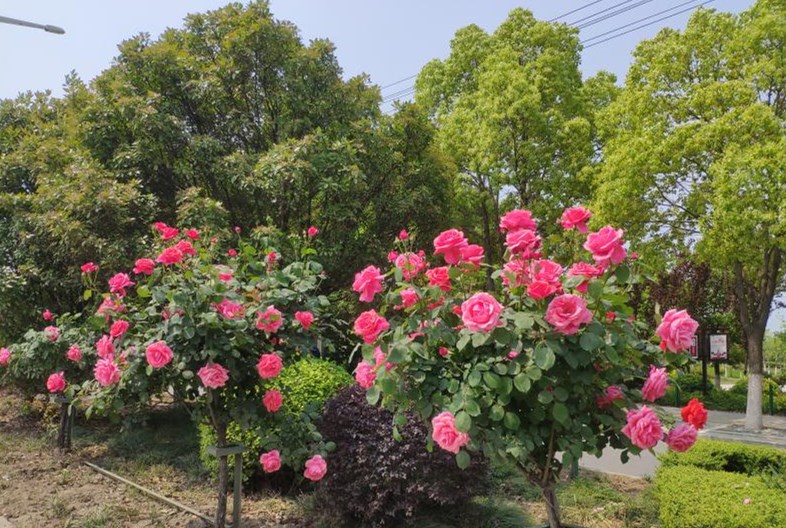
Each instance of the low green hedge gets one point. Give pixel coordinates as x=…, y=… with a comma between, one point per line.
x=731, y=457
x=721, y=400
x=691, y=497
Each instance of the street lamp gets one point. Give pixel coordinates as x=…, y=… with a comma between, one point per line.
x=49, y=29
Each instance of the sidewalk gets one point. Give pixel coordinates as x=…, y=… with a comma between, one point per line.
x=721, y=425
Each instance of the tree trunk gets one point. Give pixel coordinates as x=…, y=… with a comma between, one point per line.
x=753, y=413
x=552, y=507
x=63, y=438
x=223, y=475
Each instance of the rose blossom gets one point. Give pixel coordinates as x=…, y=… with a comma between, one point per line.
x=449, y=243
x=47, y=315
x=168, y=233
x=365, y=375
x=270, y=320
x=193, y=234
x=269, y=365
x=540, y=290
x=410, y=264
x=271, y=461
x=694, y=413
x=74, y=353
x=676, y=330
x=312, y=232
x=369, y=325
x=106, y=372
x=118, y=328
x=481, y=313
x=409, y=297
x=272, y=400
x=392, y=255
x=5, y=355
x=119, y=283
x=229, y=309
x=440, y=277
x=186, y=248
x=105, y=347
x=56, y=382
x=567, y=313
x=316, y=468
x=213, y=376
x=612, y=394
x=52, y=333
x=524, y=242
x=160, y=226
x=368, y=283
x=517, y=219
x=158, y=354
x=110, y=306
x=443, y=351
x=655, y=386
x=170, y=255
x=583, y=269
x=305, y=319
x=575, y=217
x=473, y=254
x=643, y=428
x=225, y=276
x=514, y=273
x=445, y=433
x=606, y=246
x=403, y=235
x=88, y=267
x=682, y=437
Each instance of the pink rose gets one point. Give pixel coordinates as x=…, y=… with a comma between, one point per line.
x=229, y=309
x=612, y=394
x=271, y=258
x=606, y=246
x=682, y=437
x=271, y=461
x=583, y=269
x=119, y=283
x=160, y=226
x=225, y=276
x=655, y=386
x=312, y=232
x=106, y=372
x=513, y=354
x=74, y=353
x=445, y=433
x=547, y=271
x=473, y=254
x=450, y=243
x=411, y=264
x=440, y=277
x=213, y=376
x=517, y=219
x=170, y=255
x=368, y=283
x=270, y=320
x=118, y=328
x=676, y=330
x=540, y=289
x=88, y=267
x=443, y=352
x=5, y=355
x=186, y=248
x=392, y=256
x=305, y=319
x=110, y=306
x=316, y=468
x=47, y=315
x=695, y=414
x=365, y=375
x=237, y=229
x=168, y=233
x=643, y=428
x=144, y=266
x=514, y=273
x=481, y=313
x=575, y=217
x=269, y=365
x=369, y=325
x=56, y=382
x=567, y=313
x=523, y=242
x=409, y=297
x=193, y=234
x=403, y=235
x=158, y=354
x=272, y=400
x=52, y=333
x=105, y=347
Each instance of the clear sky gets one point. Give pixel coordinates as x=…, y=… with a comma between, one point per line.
x=388, y=40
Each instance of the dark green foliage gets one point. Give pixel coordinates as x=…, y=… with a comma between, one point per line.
x=379, y=480
x=727, y=456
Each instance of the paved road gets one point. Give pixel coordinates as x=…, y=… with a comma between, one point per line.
x=720, y=425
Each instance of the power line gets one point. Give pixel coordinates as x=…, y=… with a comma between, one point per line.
x=575, y=10
x=637, y=21
x=613, y=14
x=398, y=82
x=600, y=12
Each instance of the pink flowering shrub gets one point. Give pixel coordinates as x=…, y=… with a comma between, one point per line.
x=548, y=359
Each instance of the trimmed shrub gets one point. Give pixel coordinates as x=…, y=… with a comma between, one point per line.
x=306, y=384
x=379, y=480
x=691, y=497
x=731, y=457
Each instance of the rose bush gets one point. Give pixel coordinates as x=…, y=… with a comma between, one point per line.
x=548, y=364
x=211, y=328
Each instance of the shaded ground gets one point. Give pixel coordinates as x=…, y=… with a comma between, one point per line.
x=41, y=488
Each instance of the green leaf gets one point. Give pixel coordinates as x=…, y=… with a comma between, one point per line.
x=491, y=379
x=479, y=339
x=497, y=412
x=522, y=383
x=560, y=413
x=89, y=293
x=400, y=419
x=463, y=340
x=589, y=341
x=545, y=397
x=472, y=407
x=561, y=394
x=544, y=356
x=463, y=460
x=473, y=380
x=143, y=292
x=372, y=395
x=523, y=321
x=511, y=421
x=397, y=355
x=622, y=273
x=463, y=422
x=595, y=289
x=502, y=336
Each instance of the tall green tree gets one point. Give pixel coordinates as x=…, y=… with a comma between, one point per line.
x=695, y=157
x=516, y=117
